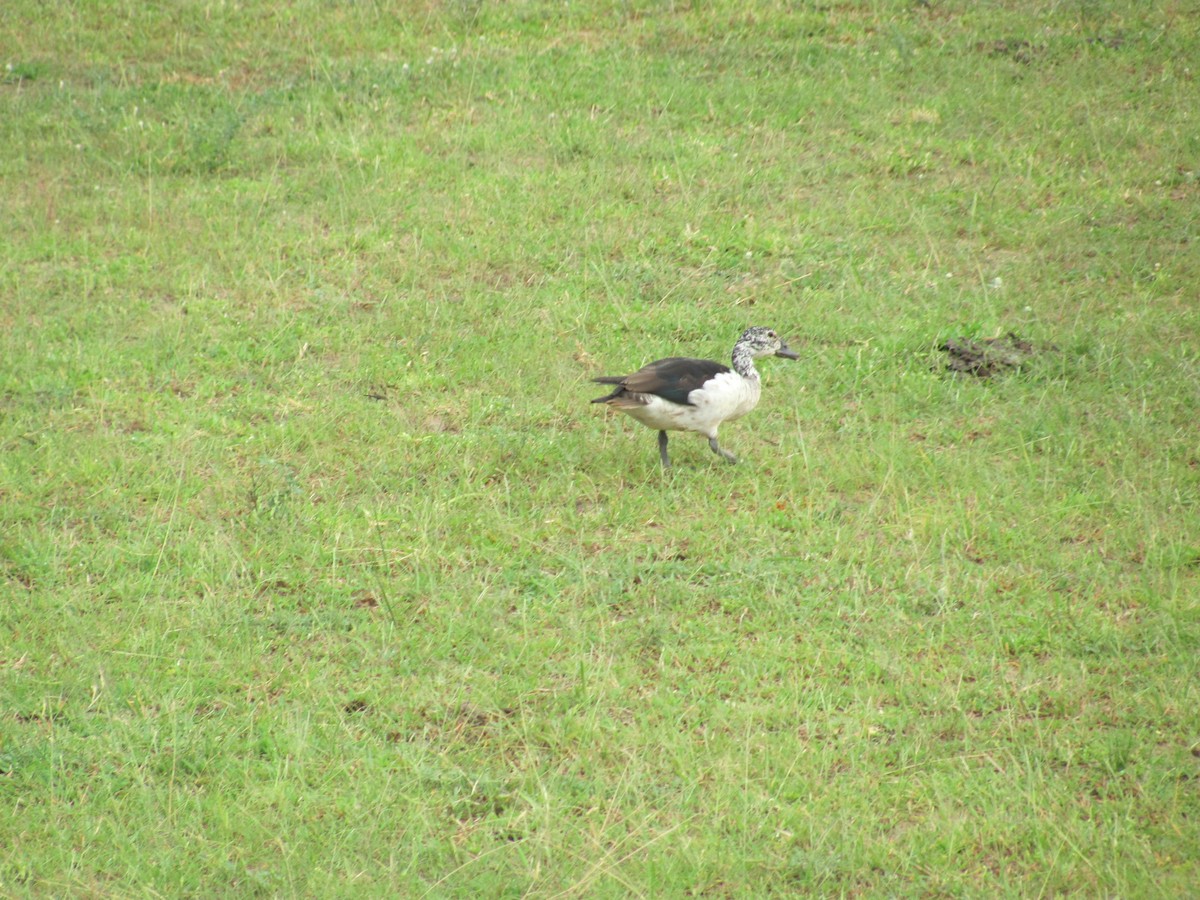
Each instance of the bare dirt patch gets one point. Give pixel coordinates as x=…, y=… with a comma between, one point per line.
x=985, y=357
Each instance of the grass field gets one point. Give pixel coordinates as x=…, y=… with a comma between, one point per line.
x=322, y=578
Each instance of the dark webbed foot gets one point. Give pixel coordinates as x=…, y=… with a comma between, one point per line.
x=716, y=448
x=662, y=450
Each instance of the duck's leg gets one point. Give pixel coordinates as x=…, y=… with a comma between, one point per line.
x=662, y=450
x=716, y=448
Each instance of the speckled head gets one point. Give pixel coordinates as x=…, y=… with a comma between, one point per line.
x=760, y=341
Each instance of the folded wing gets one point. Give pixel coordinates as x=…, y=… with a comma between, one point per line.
x=672, y=379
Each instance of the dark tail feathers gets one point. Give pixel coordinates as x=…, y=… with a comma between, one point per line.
x=610, y=379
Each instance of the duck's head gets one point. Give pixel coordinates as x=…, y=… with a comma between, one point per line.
x=765, y=342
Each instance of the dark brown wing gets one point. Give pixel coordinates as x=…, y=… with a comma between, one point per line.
x=672, y=379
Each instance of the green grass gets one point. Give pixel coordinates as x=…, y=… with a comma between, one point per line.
x=322, y=578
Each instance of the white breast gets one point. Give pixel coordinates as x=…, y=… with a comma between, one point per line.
x=728, y=396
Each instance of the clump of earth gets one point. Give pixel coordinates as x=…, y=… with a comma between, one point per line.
x=985, y=357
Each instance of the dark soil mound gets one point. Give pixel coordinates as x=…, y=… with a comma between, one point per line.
x=985, y=357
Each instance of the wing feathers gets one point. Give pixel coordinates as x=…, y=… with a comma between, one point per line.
x=672, y=379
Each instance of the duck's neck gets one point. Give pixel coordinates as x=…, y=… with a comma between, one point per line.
x=743, y=362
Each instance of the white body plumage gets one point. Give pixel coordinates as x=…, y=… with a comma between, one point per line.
x=722, y=398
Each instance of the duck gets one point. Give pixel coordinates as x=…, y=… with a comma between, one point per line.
x=683, y=394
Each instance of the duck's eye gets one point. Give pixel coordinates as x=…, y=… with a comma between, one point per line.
x=770, y=334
